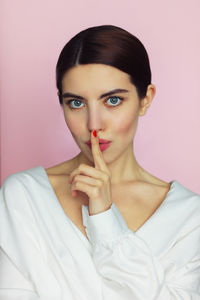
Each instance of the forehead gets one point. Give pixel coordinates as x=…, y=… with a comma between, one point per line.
x=98, y=76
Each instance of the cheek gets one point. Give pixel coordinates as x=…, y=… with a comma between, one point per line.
x=74, y=126
x=126, y=123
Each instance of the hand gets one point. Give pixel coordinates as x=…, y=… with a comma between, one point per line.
x=94, y=181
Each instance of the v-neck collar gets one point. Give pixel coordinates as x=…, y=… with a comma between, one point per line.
x=143, y=231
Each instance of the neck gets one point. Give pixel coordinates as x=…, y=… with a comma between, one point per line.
x=123, y=169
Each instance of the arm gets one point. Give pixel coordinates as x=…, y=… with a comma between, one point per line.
x=13, y=285
x=128, y=268
x=24, y=273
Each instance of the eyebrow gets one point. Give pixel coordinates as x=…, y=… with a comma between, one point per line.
x=67, y=95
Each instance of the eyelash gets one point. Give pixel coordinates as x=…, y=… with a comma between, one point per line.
x=69, y=101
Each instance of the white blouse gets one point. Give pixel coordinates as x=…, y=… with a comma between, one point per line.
x=43, y=254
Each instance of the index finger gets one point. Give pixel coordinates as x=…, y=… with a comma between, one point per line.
x=96, y=152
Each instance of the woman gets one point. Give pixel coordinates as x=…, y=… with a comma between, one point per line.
x=99, y=226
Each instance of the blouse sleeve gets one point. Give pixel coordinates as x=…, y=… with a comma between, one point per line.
x=13, y=284
x=24, y=273
x=127, y=266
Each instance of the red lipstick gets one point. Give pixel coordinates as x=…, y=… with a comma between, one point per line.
x=103, y=144
x=101, y=141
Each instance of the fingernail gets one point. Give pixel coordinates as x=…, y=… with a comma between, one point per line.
x=94, y=133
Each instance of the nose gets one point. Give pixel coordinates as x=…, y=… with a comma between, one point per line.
x=95, y=121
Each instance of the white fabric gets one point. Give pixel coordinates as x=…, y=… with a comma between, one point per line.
x=43, y=254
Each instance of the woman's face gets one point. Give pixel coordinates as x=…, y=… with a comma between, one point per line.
x=114, y=116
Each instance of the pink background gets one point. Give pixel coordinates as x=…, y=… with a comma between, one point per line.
x=33, y=131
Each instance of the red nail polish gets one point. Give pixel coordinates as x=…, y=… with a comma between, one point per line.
x=94, y=133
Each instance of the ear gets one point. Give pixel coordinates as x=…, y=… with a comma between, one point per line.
x=146, y=101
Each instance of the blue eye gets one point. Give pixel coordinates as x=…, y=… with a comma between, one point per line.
x=76, y=101
x=114, y=99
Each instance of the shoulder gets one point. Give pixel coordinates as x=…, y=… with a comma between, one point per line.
x=183, y=194
x=21, y=177
x=20, y=186
x=18, y=193
x=187, y=198
x=63, y=168
x=184, y=204
x=58, y=174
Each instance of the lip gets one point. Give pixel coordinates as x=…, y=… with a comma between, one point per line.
x=101, y=141
x=102, y=146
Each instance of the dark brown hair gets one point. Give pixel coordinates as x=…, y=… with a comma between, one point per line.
x=109, y=45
